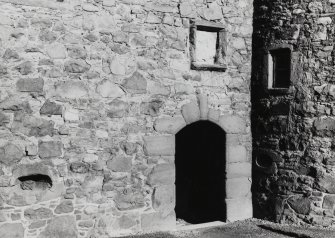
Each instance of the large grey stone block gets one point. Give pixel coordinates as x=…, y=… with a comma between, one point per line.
x=159, y=145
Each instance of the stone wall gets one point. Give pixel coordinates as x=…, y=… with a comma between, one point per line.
x=91, y=95
x=293, y=130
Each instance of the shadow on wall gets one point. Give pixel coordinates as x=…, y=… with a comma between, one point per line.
x=200, y=173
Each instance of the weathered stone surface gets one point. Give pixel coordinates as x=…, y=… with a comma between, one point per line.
x=300, y=205
x=72, y=90
x=117, y=109
x=191, y=112
x=169, y=124
x=90, y=7
x=30, y=85
x=4, y=119
x=238, y=170
x=60, y=227
x=162, y=174
x=233, y=124
x=159, y=145
x=187, y=10
x=238, y=187
x=76, y=66
x=37, y=224
x=108, y=89
x=122, y=64
x=129, y=148
x=163, y=199
x=129, y=199
x=109, y=67
x=151, y=108
x=56, y=51
x=79, y=167
x=51, y=108
x=325, y=124
x=119, y=164
x=125, y=222
x=86, y=224
x=71, y=115
x=136, y=84
x=10, y=54
x=49, y=149
x=38, y=214
x=10, y=154
x=12, y=230
x=157, y=221
x=48, y=36
x=33, y=126
x=108, y=3
x=76, y=52
x=25, y=68
x=328, y=202
x=64, y=207
x=239, y=209
x=326, y=183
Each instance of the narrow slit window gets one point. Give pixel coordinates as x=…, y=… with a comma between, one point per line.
x=280, y=68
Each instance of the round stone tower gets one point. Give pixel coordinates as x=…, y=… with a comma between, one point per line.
x=293, y=97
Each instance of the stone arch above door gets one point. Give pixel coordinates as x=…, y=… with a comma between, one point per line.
x=238, y=154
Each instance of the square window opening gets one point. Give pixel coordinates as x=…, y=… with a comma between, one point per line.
x=207, y=46
x=279, y=67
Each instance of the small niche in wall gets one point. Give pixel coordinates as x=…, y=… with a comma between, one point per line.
x=35, y=182
x=279, y=68
x=264, y=161
x=207, y=46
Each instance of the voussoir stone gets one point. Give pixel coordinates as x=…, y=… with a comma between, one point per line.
x=159, y=145
x=30, y=85
x=169, y=124
x=191, y=112
x=49, y=149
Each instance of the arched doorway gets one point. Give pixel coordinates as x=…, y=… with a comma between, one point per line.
x=200, y=173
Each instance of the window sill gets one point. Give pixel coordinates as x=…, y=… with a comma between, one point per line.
x=278, y=91
x=209, y=67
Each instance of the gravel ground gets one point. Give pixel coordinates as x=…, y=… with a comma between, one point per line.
x=252, y=228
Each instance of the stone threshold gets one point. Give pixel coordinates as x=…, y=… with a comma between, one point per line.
x=186, y=227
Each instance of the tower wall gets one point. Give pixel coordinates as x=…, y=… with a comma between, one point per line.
x=293, y=128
